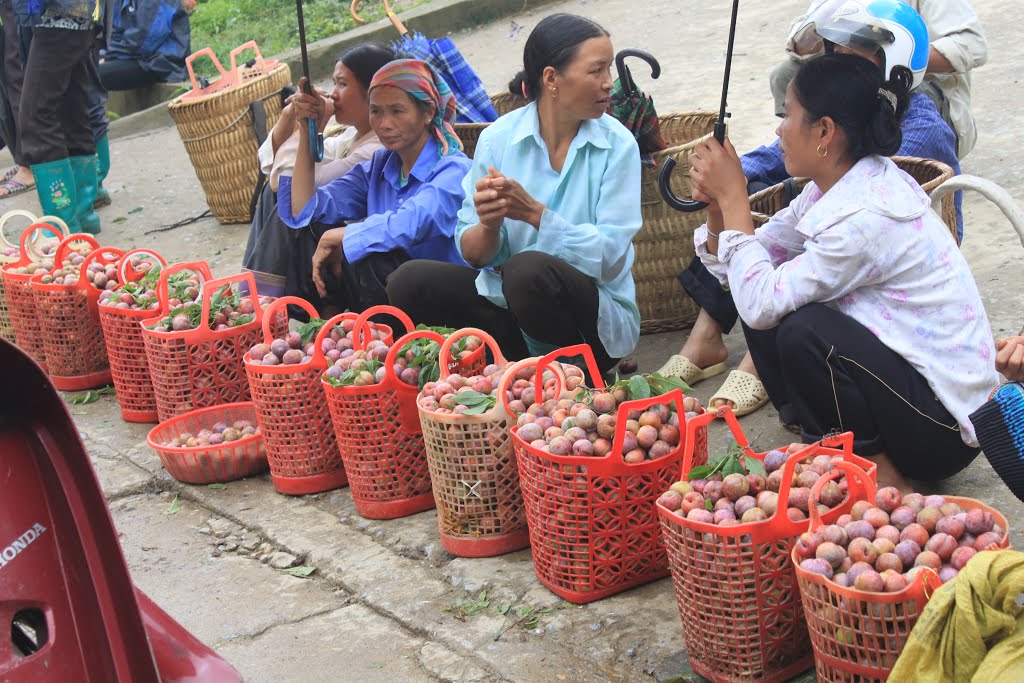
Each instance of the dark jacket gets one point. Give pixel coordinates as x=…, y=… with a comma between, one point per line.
x=153, y=32
x=85, y=13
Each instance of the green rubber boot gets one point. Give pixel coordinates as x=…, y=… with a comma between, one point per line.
x=102, y=169
x=84, y=168
x=55, y=185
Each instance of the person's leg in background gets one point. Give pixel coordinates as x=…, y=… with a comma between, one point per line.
x=836, y=376
x=436, y=293
x=125, y=74
x=13, y=75
x=53, y=123
x=99, y=123
x=554, y=304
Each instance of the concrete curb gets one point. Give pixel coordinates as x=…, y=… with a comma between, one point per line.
x=437, y=18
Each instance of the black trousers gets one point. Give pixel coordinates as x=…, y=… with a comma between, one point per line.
x=53, y=122
x=828, y=373
x=125, y=74
x=705, y=289
x=547, y=299
x=13, y=74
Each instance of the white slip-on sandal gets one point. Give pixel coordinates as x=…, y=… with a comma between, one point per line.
x=683, y=368
x=746, y=392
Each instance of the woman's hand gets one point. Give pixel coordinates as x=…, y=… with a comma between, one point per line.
x=308, y=106
x=1010, y=358
x=327, y=255
x=716, y=173
x=519, y=204
x=491, y=208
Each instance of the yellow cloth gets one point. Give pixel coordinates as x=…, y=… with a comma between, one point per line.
x=972, y=630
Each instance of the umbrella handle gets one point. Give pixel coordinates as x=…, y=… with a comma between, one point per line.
x=395, y=21
x=665, y=185
x=620, y=67
x=316, y=141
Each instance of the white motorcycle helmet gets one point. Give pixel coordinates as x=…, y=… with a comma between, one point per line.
x=891, y=26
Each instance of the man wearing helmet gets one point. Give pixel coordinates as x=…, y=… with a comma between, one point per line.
x=956, y=45
x=897, y=43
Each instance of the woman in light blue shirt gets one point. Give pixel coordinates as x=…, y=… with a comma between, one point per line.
x=552, y=205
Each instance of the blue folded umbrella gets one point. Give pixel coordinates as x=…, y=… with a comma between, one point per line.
x=999, y=425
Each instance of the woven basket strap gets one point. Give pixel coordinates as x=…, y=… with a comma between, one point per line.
x=234, y=121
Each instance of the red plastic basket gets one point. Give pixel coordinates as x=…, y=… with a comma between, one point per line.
x=76, y=355
x=735, y=586
x=6, y=328
x=126, y=350
x=302, y=448
x=473, y=470
x=202, y=367
x=593, y=526
x=209, y=464
x=858, y=636
x=379, y=434
x=21, y=305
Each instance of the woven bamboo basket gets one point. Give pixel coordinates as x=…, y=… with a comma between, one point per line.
x=664, y=245
x=927, y=172
x=215, y=124
x=469, y=133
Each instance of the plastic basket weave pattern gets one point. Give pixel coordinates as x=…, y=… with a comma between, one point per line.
x=6, y=328
x=473, y=470
x=210, y=464
x=126, y=351
x=302, y=448
x=21, y=305
x=735, y=587
x=593, y=525
x=202, y=367
x=379, y=436
x=76, y=354
x=858, y=636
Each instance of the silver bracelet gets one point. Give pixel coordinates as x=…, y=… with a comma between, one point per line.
x=715, y=234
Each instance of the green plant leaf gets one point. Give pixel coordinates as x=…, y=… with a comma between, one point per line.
x=709, y=505
x=309, y=331
x=754, y=466
x=639, y=388
x=733, y=466
x=300, y=571
x=219, y=487
x=503, y=608
x=90, y=396
x=173, y=508
x=701, y=472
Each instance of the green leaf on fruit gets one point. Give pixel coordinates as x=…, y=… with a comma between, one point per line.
x=754, y=466
x=173, y=508
x=310, y=330
x=301, y=571
x=639, y=388
x=475, y=402
x=700, y=472
x=709, y=505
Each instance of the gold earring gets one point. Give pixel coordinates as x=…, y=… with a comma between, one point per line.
x=820, y=155
x=554, y=92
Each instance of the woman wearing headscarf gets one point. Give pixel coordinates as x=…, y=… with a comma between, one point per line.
x=552, y=205
x=402, y=204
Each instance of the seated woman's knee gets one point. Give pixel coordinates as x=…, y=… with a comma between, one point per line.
x=408, y=281
x=528, y=273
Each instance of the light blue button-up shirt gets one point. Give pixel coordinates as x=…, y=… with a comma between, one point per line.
x=592, y=214
x=383, y=214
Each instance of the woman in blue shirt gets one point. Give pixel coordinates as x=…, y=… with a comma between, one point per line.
x=399, y=205
x=552, y=205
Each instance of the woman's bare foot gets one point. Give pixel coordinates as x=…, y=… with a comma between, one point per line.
x=704, y=345
x=888, y=475
x=746, y=365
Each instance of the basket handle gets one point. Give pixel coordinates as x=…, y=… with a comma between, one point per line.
x=103, y=255
x=399, y=26
x=14, y=213
x=850, y=469
x=239, y=50
x=268, y=314
x=318, y=342
x=191, y=70
x=211, y=286
x=29, y=237
x=65, y=246
x=202, y=268
x=362, y=324
x=444, y=357
x=125, y=261
x=511, y=371
x=693, y=425
x=622, y=415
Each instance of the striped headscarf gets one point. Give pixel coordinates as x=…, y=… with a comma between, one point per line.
x=419, y=80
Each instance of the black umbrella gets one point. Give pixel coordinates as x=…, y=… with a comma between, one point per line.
x=316, y=138
x=664, y=178
x=632, y=107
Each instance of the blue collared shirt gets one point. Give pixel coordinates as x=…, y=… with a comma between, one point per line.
x=381, y=215
x=592, y=211
x=925, y=136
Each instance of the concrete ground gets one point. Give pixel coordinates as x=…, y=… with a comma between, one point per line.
x=380, y=603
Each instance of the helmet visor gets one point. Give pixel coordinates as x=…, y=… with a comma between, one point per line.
x=843, y=22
